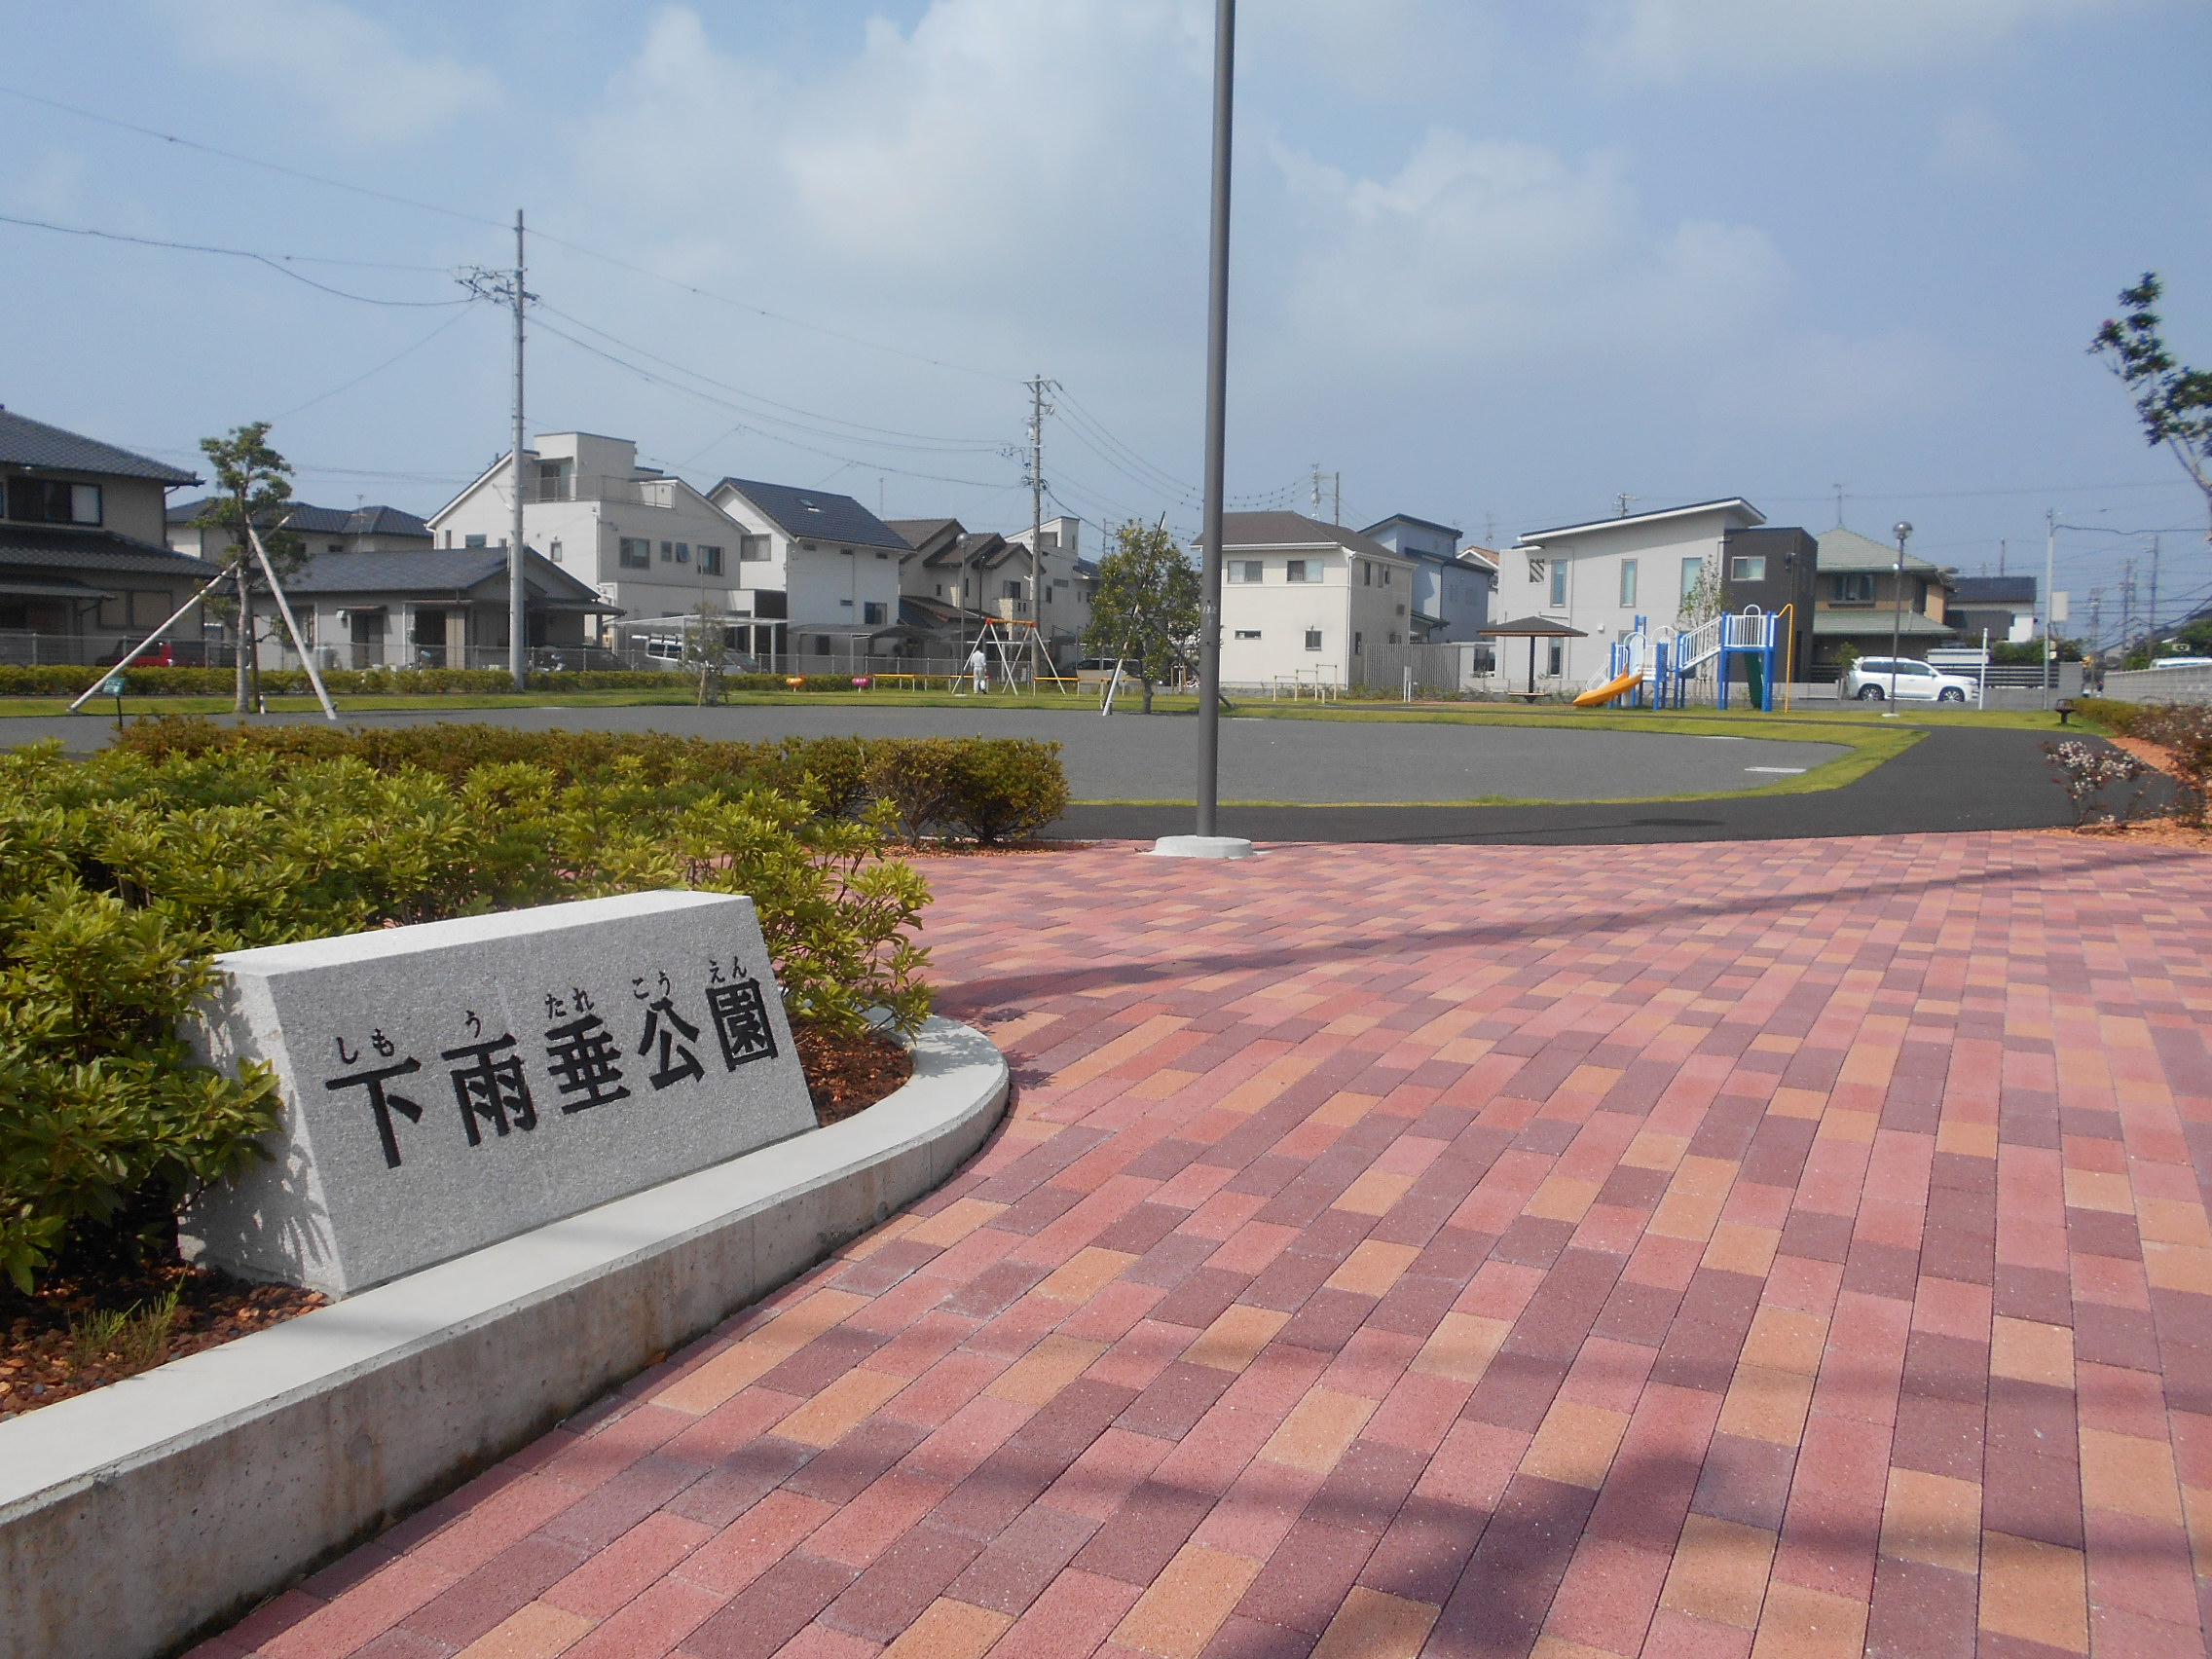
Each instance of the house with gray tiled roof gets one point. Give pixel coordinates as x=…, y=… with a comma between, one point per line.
x=1856, y=608
x=436, y=606
x=85, y=570
x=835, y=564
x=321, y=530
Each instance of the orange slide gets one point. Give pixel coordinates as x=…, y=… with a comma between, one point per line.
x=1606, y=694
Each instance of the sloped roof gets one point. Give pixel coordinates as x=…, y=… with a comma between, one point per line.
x=1295, y=530
x=817, y=515
x=1451, y=531
x=919, y=533
x=24, y=442
x=313, y=520
x=1478, y=558
x=1994, y=590
x=439, y=570
x=1756, y=517
x=1869, y=624
x=1842, y=549
x=54, y=546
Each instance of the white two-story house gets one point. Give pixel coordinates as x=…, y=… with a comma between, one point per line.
x=1305, y=602
x=649, y=543
x=834, y=564
x=1600, y=576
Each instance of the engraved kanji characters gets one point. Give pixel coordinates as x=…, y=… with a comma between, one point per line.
x=678, y=1063
x=493, y=1090
x=381, y=1102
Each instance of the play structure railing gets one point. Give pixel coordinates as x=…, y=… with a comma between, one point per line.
x=1646, y=671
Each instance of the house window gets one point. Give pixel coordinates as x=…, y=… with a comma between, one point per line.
x=1535, y=570
x=668, y=552
x=1312, y=639
x=710, y=560
x=552, y=550
x=1358, y=642
x=1366, y=574
x=1387, y=574
x=1294, y=571
x=635, y=553
x=1012, y=590
x=883, y=556
x=554, y=478
x=1746, y=568
x=1554, y=655
x=473, y=542
x=1247, y=633
x=750, y=548
x=1628, y=582
x=1392, y=638
x=683, y=552
x=47, y=500
x=1247, y=571
x=1854, y=587
x=871, y=612
x=1558, y=581
x=1693, y=573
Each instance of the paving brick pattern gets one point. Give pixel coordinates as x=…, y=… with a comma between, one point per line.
x=1787, y=1249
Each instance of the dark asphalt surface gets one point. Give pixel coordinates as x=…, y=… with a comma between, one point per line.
x=1952, y=779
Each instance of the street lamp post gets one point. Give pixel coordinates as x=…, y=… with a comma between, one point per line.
x=1903, y=531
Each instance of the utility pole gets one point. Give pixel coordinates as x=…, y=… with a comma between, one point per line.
x=1038, y=409
x=2153, y=623
x=2126, y=602
x=1336, y=509
x=2049, y=579
x=517, y=630
x=2000, y=558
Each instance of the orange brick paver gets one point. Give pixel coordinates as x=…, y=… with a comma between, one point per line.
x=1785, y=1249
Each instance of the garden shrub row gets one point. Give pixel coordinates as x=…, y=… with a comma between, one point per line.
x=2184, y=730
x=59, y=679
x=123, y=874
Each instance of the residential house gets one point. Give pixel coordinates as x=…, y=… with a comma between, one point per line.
x=321, y=530
x=1858, y=609
x=832, y=565
x=432, y=607
x=650, y=543
x=1605, y=575
x=84, y=572
x=1064, y=582
x=1302, y=601
x=2005, y=606
x=1452, y=584
x=1776, y=569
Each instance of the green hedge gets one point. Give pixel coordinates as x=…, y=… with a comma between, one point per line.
x=121, y=875
x=56, y=680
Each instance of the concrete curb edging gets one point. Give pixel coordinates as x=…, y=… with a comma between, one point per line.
x=137, y=1516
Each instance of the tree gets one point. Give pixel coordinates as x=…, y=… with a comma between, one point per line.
x=254, y=485
x=1145, y=609
x=1702, y=602
x=2173, y=400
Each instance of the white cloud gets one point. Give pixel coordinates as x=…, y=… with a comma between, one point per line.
x=328, y=57
x=1974, y=146
x=1672, y=39
x=1494, y=249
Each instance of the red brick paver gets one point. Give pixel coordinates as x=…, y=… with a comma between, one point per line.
x=1786, y=1249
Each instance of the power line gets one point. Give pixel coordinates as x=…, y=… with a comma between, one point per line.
x=377, y=370
x=274, y=262
x=480, y=219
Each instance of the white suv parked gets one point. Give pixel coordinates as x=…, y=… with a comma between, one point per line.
x=1871, y=678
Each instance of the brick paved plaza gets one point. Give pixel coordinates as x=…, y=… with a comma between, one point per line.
x=1773, y=1248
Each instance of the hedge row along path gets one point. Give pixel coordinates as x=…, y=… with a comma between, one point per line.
x=1733, y=1250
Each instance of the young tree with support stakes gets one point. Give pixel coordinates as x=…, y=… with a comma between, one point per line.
x=2173, y=400
x=1145, y=609
x=255, y=485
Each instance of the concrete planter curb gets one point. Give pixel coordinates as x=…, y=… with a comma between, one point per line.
x=139, y=1515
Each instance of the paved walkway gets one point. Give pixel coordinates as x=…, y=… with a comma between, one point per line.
x=1717, y=1251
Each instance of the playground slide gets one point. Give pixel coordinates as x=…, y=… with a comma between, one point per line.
x=1606, y=694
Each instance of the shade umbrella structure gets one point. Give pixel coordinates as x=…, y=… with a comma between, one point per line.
x=1532, y=629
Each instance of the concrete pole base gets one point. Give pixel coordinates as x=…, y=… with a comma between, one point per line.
x=1201, y=847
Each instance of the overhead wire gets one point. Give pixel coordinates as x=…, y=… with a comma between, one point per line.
x=274, y=262
x=369, y=374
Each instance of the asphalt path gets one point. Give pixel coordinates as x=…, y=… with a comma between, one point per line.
x=1953, y=779
x=1133, y=758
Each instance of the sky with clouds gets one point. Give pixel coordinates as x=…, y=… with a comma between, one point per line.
x=1496, y=263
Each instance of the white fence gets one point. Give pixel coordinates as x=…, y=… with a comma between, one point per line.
x=2160, y=684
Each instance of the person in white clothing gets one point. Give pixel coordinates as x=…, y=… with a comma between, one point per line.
x=979, y=670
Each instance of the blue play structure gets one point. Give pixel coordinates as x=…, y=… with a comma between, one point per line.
x=1666, y=666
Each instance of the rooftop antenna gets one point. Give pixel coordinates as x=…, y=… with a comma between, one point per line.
x=1624, y=500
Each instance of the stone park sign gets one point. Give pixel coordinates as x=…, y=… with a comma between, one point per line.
x=454, y=1083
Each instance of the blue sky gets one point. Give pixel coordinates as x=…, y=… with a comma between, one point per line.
x=1496, y=263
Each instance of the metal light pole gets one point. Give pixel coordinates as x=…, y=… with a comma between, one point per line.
x=1903, y=531
x=1217, y=397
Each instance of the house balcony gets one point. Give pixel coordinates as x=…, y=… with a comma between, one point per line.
x=631, y=491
